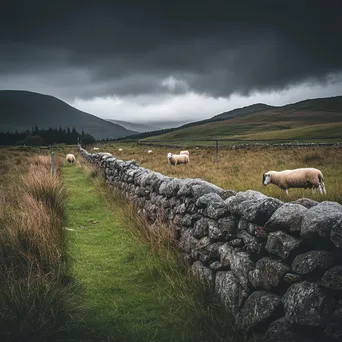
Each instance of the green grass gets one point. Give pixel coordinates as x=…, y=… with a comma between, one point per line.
x=132, y=291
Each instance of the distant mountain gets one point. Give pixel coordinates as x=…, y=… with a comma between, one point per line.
x=152, y=126
x=315, y=118
x=22, y=110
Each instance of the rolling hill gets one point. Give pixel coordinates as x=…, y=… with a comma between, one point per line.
x=309, y=119
x=151, y=126
x=22, y=110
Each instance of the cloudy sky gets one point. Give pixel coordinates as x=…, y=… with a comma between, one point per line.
x=176, y=60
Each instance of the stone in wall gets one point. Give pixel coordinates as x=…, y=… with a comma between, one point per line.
x=287, y=218
x=306, y=304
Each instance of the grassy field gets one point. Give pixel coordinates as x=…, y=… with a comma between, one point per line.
x=242, y=170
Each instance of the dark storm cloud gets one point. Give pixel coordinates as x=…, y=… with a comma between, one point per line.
x=95, y=48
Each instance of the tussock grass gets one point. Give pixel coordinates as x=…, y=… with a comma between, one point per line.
x=35, y=302
x=242, y=170
x=150, y=295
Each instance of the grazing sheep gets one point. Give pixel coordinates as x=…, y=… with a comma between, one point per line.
x=298, y=178
x=70, y=158
x=120, y=149
x=95, y=148
x=175, y=159
x=149, y=151
x=184, y=152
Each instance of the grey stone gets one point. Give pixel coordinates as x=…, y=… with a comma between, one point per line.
x=217, y=210
x=332, y=279
x=202, y=187
x=227, y=226
x=189, y=220
x=259, y=308
x=205, y=200
x=305, y=202
x=313, y=262
x=236, y=243
x=287, y=218
x=282, y=244
x=306, y=304
x=226, y=254
x=268, y=273
x=291, y=278
x=216, y=266
x=203, y=243
x=334, y=327
x=319, y=220
x=282, y=330
x=204, y=274
x=201, y=228
x=227, y=193
x=241, y=265
x=214, y=233
x=187, y=241
x=251, y=243
x=230, y=291
x=336, y=234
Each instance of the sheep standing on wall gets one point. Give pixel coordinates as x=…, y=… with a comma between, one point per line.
x=70, y=158
x=175, y=159
x=298, y=178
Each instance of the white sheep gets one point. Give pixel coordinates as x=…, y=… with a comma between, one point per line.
x=95, y=148
x=175, y=159
x=70, y=158
x=298, y=178
x=120, y=149
x=149, y=151
x=184, y=152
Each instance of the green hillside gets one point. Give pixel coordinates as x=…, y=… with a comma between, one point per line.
x=22, y=110
x=303, y=120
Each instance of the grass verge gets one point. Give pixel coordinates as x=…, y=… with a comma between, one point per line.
x=35, y=302
x=134, y=287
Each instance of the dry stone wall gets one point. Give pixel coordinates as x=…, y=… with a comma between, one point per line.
x=276, y=266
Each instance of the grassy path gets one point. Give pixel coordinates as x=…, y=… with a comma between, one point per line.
x=125, y=292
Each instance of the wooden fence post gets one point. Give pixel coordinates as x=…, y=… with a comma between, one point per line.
x=52, y=163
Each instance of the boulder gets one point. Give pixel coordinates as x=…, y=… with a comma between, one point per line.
x=306, y=304
x=313, y=263
x=282, y=330
x=318, y=221
x=332, y=279
x=258, y=310
x=268, y=273
x=207, y=199
x=204, y=274
x=200, y=228
x=305, y=202
x=283, y=245
x=230, y=291
x=287, y=218
x=217, y=210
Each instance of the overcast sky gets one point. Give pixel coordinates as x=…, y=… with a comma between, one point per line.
x=172, y=60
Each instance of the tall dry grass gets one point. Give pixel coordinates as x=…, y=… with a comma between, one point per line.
x=35, y=303
x=242, y=170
